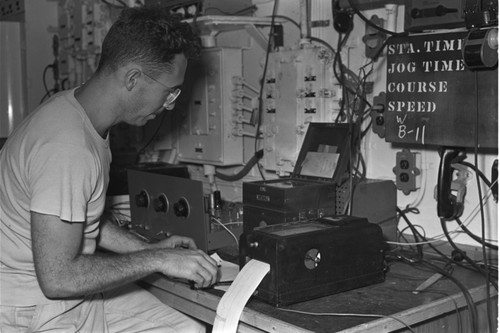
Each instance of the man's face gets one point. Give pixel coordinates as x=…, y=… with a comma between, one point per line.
x=158, y=93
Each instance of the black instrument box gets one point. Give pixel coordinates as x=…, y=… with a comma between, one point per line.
x=315, y=258
x=310, y=191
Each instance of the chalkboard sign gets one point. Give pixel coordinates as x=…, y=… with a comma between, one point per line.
x=433, y=98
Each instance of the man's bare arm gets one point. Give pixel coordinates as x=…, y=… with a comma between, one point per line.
x=117, y=239
x=63, y=271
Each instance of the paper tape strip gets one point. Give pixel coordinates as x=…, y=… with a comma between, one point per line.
x=232, y=303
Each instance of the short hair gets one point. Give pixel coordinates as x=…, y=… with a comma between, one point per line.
x=148, y=36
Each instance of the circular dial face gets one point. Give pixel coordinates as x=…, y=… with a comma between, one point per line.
x=161, y=204
x=312, y=258
x=181, y=208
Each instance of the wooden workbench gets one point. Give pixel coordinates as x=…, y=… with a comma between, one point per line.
x=441, y=308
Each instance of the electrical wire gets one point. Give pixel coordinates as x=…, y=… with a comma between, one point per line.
x=483, y=222
x=370, y=23
x=414, y=210
x=288, y=19
x=47, y=95
x=416, y=226
x=48, y=92
x=471, y=215
x=341, y=76
x=261, y=94
x=354, y=124
x=478, y=172
x=44, y=74
x=214, y=219
x=467, y=258
x=433, y=240
x=341, y=79
x=457, y=311
x=429, y=243
x=63, y=84
x=322, y=42
x=427, y=266
x=478, y=239
x=244, y=171
x=468, y=298
x=338, y=314
x=420, y=260
x=356, y=147
x=473, y=266
x=363, y=111
x=415, y=233
x=429, y=291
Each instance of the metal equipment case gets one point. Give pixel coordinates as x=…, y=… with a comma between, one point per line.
x=310, y=192
x=163, y=205
x=315, y=258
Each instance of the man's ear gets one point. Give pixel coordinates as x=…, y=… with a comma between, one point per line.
x=131, y=77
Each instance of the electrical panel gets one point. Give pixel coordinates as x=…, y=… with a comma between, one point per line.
x=82, y=26
x=209, y=114
x=11, y=10
x=300, y=88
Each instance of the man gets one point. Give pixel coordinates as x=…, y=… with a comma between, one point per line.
x=54, y=174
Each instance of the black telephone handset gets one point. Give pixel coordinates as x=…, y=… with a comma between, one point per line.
x=447, y=205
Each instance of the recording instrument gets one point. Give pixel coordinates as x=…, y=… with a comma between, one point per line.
x=163, y=205
x=315, y=258
x=310, y=192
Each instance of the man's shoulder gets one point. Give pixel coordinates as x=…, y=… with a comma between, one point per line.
x=60, y=117
x=62, y=104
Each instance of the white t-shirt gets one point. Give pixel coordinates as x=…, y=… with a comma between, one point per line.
x=54, y=163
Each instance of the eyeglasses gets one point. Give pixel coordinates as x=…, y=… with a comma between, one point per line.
x=172, y=94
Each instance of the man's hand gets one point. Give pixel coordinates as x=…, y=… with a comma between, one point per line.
x=173, y=242
x=64, y=271
x=184, y=260
x=190, y=264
